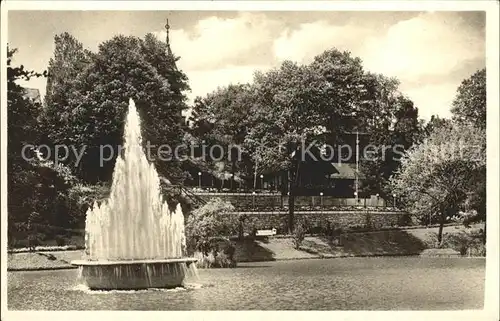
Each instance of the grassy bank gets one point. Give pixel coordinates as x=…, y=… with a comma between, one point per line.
x=46, y=260
x=379, y=243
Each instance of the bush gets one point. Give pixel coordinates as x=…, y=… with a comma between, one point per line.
x=219, y=260
x=60, y=240
x=210, y=221
x=469, y=242
x=466, y=242
x=357, y=227
x=299, y=234
x=405, y=220
x=35, y=239
x=216, y=253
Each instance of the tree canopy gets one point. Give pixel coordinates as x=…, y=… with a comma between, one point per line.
x=470, y=101
x=441, y=176
x=293, y=106
x=446, y=173
x=89, y=97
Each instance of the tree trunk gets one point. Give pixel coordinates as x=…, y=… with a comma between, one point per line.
x=255, y=177
x=240, y=230
x=292, y=179
x=441, y=226
x=291, y=207
x=484, y=232
x=233, y=170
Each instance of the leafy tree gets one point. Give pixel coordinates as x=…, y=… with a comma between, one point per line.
x=36, y=194
x=319, y=103
x=344, y=85
x=287, y=114
x=123, y=68
x=439, y=177
x=470, y=102
x=21, y=131
x=222, y=118
x=433, y=123
x=470, y=106
x=69, y=61
x=393, y=132
x=295, y=106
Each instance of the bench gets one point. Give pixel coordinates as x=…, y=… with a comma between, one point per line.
x=266, y=232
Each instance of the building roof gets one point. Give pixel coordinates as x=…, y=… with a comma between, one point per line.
x=345, y=171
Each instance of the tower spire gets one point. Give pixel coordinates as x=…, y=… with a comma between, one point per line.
x=169, y=51
x=167, y=26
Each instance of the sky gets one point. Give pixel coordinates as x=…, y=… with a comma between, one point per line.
x=429, y=52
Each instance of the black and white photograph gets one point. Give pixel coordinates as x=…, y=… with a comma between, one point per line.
x=201, y=156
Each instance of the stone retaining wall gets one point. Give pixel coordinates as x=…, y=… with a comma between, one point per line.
x=318, y=221
x=245, y=200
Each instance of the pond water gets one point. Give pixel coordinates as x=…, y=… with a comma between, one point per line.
x=402, y=283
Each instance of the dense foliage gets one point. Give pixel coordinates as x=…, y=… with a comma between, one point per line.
x=445, y=176
x=209, y=221
x=470, y=101
x=37, y=190
x=285, y=110
x=88, y=95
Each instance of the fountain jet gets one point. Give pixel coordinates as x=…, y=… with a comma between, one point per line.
x=133, y=240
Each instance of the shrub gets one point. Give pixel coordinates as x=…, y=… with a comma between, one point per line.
x=60, y=240
x=209, y=221
x=466, y=242
x=35, y=239
x=216, y=253
x=405, y=220
x=219, y=260
x=299, y=234
x=469, y=242
x=356, y=227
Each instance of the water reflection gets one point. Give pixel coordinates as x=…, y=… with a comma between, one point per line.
x=337, y=284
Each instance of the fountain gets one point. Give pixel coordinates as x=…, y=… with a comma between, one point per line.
x=133, y=240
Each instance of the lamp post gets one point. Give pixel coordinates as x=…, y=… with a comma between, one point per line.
x=394, y=200
x=253, y=200
x=357, y=167
x=199, y=180
x=377, y=195
x=321, y=198
x=261, y=181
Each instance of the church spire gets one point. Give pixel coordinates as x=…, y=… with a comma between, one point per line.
x=169, y=51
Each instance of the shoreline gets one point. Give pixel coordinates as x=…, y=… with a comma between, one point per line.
x=317, y=257
x=384, y=243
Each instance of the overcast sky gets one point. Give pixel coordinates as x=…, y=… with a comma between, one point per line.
x=430, y=53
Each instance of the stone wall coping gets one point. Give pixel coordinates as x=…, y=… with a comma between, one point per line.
x=321, y=212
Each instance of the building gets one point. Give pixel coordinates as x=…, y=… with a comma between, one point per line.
x=316, y=175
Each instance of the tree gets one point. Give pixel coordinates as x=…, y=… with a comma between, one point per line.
x=392, y=124
x=222, y=118
x=36, y=194
x=470, y=106
x=434, y=123
x=439, y=177
x=288, y=114
x=123, y=68
x=21, y=131
x=69, y=61
x=470, y=102
x=343, y=90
